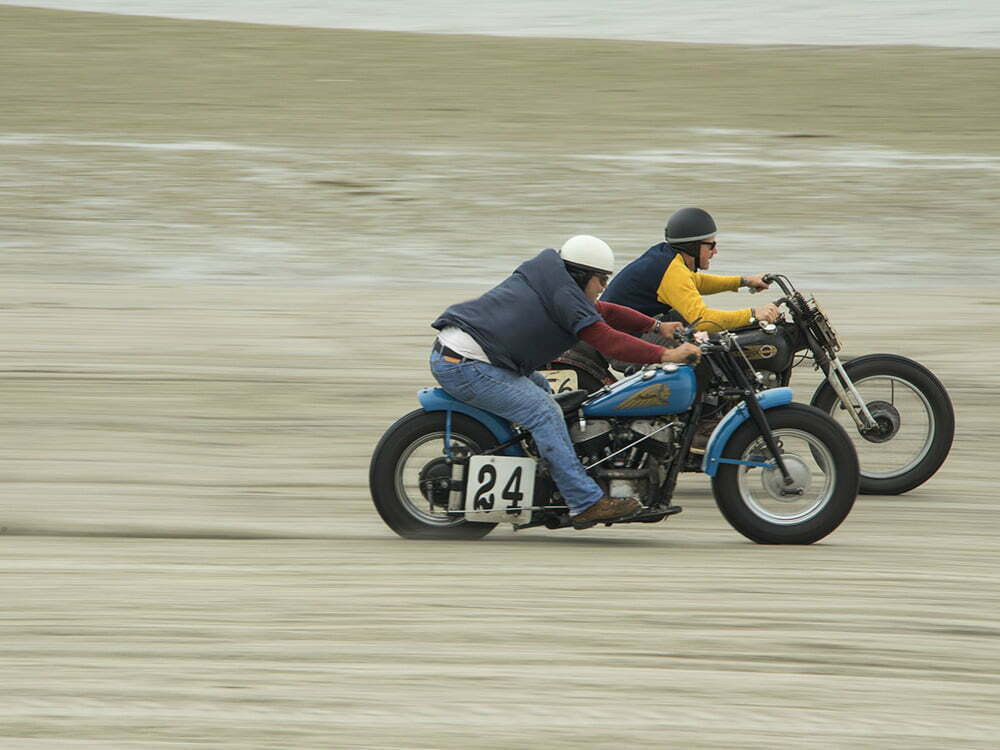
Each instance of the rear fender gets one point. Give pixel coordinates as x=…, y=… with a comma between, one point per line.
x=437, y=399
x=724, y=430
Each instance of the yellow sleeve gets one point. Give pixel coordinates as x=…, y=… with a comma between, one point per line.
x=679, y=289
x=710, y=284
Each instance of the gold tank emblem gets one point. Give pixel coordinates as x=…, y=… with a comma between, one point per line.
x=651, y=395
x=763, y=351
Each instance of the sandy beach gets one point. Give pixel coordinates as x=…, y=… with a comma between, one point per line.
x=201, y=346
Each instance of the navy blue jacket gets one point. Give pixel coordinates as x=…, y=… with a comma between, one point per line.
x=527, y=320
x=635, y=285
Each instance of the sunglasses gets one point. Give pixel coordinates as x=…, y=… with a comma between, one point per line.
x=711, y=245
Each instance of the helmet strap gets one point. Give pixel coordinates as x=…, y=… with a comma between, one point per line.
x=690, y=249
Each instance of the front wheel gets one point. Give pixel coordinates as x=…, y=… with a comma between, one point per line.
x=821, y=461
x=408, y=467
x=915, y=417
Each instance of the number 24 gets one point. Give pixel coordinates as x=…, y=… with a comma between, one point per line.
x=487, y=479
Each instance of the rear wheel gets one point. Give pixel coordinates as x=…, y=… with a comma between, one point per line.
x=821, y=461
x=915, y=416
x=409, y=475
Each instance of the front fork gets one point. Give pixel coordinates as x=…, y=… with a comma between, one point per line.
x=760, y=419
x=737, y=376
x=849, y=397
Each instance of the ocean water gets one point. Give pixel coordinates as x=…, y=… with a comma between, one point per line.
x=957, y=23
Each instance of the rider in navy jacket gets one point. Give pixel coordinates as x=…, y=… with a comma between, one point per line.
x=488, y=350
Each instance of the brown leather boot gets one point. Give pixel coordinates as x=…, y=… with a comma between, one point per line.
x=607, y=509
x=702, y=433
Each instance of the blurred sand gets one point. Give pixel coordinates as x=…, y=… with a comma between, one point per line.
x=189, y=554
x=191, y=557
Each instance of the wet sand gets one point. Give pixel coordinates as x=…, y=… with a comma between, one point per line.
x=189, y=554
x=156, y=150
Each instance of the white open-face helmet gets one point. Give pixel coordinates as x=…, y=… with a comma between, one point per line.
x=588, y=253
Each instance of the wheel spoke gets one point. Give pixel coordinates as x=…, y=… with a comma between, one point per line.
x=811, y=467
x=425, y=455
x=912, y=427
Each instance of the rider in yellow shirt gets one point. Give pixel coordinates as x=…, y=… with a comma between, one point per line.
x=668, y=278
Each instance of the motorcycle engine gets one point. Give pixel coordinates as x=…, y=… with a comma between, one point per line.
x=599, y=437
x=769, y=379
x=635, y=472
x=593, y=439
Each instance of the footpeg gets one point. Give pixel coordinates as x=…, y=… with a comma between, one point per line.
x=657, y=513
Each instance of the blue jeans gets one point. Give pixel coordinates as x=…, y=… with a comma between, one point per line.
x=527, y=402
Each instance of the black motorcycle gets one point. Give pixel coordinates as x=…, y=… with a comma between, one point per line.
x=897, y=412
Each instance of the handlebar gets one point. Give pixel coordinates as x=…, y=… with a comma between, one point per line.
x=704, y=341
x=781, y=281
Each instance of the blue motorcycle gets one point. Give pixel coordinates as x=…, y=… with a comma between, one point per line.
x=782, y=472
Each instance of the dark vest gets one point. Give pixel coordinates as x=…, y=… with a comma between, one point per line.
x=528, y=319
x=635, y=285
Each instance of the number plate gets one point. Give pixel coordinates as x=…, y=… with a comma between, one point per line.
x=561, y=380
x=497, y=487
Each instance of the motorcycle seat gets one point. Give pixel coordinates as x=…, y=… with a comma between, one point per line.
x=570, y=401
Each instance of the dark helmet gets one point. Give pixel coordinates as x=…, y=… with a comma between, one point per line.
x=689, y=225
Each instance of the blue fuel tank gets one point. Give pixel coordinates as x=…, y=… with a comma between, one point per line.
x=664, y=389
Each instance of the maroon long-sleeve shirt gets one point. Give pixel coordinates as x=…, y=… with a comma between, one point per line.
x=614, y=344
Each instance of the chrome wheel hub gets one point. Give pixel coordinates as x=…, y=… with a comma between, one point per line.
x=774, y=483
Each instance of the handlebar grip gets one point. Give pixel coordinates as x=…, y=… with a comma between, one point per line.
x=691, y=359
x=767, y=279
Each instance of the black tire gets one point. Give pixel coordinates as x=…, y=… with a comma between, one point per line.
x=824, y=444
x=401, y=513
x=879, y=474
